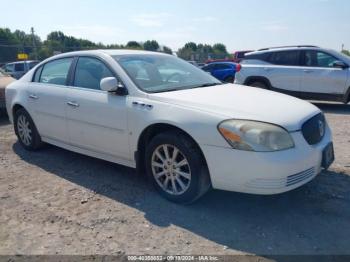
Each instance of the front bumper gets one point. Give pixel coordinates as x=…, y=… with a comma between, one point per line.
x=265, y=172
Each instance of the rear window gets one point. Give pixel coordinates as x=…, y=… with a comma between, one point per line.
x=240, y=54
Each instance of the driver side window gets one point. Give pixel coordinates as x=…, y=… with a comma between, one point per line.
x=319, y=59
x=89, y=72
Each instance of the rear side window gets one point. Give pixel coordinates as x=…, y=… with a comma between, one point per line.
x=222, y=67
x=89, y=72
x=56, y=72
x=19, y=67
x=32, y=64
x=262, y=57
x=287, y=58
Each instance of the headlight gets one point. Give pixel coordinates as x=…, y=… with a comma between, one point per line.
x=255, y=136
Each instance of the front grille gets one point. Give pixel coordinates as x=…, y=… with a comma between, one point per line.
x=314, y=129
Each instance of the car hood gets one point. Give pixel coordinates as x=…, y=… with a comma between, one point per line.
x=231, y=101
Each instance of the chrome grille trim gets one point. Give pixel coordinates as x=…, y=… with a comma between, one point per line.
x=297, y=178
x=280, y=183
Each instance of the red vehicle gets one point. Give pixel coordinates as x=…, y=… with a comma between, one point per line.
x=239, y=55
x=219, y=60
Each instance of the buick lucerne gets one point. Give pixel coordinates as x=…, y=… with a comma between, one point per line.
x=186, y=130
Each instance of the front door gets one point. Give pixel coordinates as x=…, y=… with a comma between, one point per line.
x=320, y=76
x=97, y=120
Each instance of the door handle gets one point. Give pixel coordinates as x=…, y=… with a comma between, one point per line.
x=32, y=96
x=308, y=71
x=73, y=104
x=142, y=104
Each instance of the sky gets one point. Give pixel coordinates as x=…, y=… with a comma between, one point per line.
x=239, y=24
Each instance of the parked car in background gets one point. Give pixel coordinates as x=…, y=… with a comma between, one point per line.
x=18, y=69
x=187, y=131
x=307, y=72
x=239, y=55
x=193, y=63
x=224, y=71
x=5, y=79
x=219, y=60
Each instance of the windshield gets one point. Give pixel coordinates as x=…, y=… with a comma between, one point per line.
x=154, y=73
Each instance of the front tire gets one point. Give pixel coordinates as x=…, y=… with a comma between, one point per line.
x=26, y=131
x=176, y=167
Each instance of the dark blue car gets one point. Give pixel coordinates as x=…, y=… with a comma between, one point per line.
x=224, y=71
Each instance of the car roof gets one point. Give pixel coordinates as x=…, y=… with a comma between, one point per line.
x=284, y=48
x=20, y=62
x=110, y=52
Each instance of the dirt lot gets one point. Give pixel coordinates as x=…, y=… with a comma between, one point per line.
x=58, y=202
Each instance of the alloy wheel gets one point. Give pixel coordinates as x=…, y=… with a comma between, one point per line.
x=171, y=169
x=24, y=130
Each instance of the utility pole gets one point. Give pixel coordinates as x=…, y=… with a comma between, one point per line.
x=34, y=45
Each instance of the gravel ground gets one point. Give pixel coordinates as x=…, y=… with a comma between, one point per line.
x=58, y=202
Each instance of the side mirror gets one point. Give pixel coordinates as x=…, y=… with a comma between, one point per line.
x=340, y=64
x=111, y=84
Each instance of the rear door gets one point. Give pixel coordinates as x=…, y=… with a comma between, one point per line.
x=320, y=76
x=97, y=120
x=283, y=71
x=46, y=97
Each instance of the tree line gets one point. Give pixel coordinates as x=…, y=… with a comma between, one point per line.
x=14, y=42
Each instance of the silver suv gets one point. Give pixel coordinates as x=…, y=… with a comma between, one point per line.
x=307, y=72
x=18, y=69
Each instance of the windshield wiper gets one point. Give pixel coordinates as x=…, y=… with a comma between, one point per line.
x=186, y=87
x=208, y=84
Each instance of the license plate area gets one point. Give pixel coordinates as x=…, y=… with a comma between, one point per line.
x=328, y=156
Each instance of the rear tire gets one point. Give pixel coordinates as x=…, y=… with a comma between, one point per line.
x=229, y=79
x=259, y=84
x=176, y=168
x=26, y=131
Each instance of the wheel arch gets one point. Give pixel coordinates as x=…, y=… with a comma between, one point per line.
x=151, y=131
x=252, y=79
x=347, y=96
x=14, y=109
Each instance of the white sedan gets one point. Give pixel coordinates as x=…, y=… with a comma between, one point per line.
x=157, y=113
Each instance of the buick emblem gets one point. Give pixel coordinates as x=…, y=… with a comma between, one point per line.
x=321, y=128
